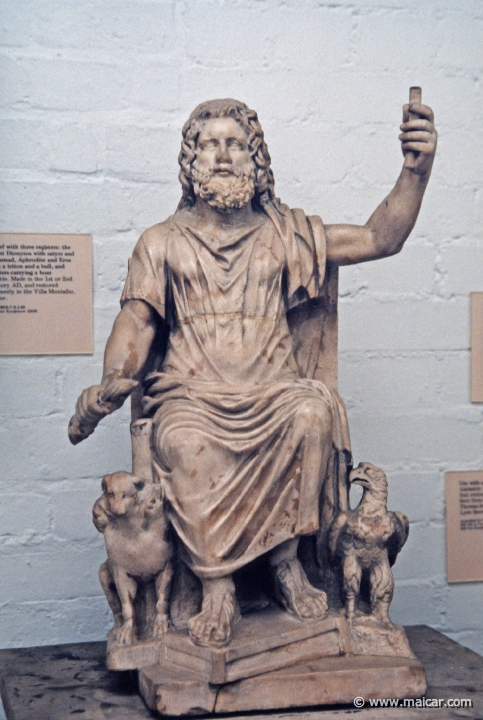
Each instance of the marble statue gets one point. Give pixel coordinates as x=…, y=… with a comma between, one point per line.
x=226, y=340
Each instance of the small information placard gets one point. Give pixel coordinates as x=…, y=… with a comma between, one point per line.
x=464, y=526
x=45, y=294
x=477, y=347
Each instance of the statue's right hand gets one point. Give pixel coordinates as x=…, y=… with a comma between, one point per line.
x=96, y=402
x=89, y=410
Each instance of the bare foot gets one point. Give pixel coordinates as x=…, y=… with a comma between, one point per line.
x=212, y=627
x=295, y=592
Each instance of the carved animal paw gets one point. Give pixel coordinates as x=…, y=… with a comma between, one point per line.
x=160, y=626
x=125, y=634
x=295, y=592
x=382, y=619
x=373, y=620
x=212, y=627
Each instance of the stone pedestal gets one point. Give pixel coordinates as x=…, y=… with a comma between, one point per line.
x=132, y=657
x=262, y=642
x=275, y=661
x=327, y=681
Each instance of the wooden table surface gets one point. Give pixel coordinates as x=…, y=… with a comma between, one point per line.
x=61, y=682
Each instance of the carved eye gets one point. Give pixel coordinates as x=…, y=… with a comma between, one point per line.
x=209, y=145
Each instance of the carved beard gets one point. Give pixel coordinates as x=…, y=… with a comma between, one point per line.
x=228, y=192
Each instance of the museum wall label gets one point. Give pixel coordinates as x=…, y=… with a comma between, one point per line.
x=477, y=347
x=45, y=294
x=464, y=526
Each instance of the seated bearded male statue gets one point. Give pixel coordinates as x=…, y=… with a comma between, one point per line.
x=241, y=442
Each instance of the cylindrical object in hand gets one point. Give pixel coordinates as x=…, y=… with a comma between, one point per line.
x=414, y=97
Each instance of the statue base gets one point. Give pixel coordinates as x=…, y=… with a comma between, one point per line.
x=327, y=681
x=131, y=657
x=275, y=661
x=262, y=641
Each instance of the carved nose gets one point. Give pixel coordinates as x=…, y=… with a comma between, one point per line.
x=222, y=155
x=118, y=509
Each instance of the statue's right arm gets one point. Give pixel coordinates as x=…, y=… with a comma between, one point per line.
x=390, y=224
x=126, y=352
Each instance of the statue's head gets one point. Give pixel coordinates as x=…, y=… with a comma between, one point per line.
x=230, y=184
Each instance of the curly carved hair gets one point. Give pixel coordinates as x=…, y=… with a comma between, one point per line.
x=264, y=182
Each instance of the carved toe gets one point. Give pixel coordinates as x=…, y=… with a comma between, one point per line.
x=212, y=627
x=295, y=592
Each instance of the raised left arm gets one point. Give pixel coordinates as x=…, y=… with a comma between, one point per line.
x=389, y=226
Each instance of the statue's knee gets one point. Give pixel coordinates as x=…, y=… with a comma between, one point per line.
x=178, y=446
x=313, y=415
x=169, y=446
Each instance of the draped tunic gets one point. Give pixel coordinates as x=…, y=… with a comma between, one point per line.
x=230, y=450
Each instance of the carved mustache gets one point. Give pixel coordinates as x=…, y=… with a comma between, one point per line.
x=201, y=173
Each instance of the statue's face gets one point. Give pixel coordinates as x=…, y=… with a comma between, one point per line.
x=222, y=147
x=223, y=172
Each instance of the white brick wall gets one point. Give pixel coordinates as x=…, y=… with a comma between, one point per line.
x=95, y=94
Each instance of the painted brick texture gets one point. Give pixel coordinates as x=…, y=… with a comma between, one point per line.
x=91, y=107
